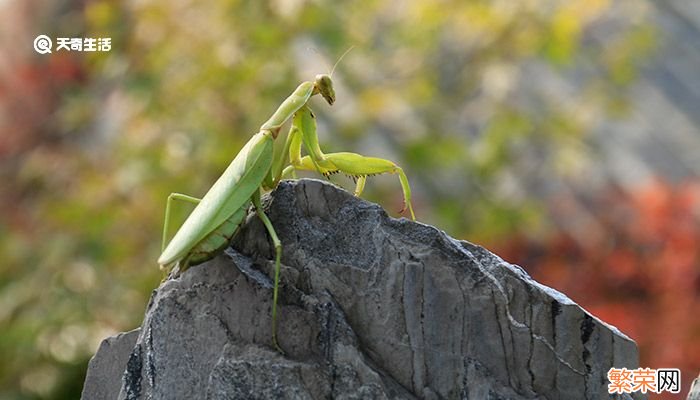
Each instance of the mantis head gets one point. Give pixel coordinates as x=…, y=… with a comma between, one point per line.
x=324, y=86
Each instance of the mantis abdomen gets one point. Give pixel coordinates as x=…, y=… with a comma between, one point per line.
x=222, y=208
x=218, y=239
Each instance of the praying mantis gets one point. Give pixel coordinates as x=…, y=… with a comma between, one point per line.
x=218, y=215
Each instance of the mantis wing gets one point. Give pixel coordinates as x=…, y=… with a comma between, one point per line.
x=231, y=191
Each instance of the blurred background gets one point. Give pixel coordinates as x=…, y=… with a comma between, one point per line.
x=564, y=135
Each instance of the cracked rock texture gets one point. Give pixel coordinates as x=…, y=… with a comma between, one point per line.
x=371, y=308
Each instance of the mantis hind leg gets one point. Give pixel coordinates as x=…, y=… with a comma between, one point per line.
x=278, y=253
x=166, y=224
x=359, y=168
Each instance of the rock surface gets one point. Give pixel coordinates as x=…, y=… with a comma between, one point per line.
x=371, y=308
x=106, y=368
x=694, y=393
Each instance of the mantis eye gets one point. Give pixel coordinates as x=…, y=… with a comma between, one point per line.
x=324, y=85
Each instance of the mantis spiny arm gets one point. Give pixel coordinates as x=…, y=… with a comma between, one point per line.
x=360, y=167
x=355, y=165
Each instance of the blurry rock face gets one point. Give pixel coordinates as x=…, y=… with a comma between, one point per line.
x=372, y=308
x=694, y=393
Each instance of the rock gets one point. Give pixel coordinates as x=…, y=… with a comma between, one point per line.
x=371, y=308
x=694, y=393
x=106, y=367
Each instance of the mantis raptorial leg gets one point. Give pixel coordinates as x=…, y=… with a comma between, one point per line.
x=357, y=166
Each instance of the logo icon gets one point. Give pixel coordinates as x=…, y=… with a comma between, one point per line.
x=42, y=44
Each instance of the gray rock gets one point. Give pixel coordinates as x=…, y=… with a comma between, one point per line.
x=104, y=373
x=371, y=308
x=694, y=393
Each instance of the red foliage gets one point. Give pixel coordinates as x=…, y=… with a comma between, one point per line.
x=633, y=260
x=31, y=89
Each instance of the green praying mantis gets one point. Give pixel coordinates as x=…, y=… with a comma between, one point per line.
x=257, y=167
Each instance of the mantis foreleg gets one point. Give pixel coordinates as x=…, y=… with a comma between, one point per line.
x=303, y=131
x=355, y=165
x=360, y=167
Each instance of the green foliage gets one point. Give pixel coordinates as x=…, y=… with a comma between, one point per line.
x=435, y=86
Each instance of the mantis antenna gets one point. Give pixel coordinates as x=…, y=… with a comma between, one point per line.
x=340, y=59
x=337, y=62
